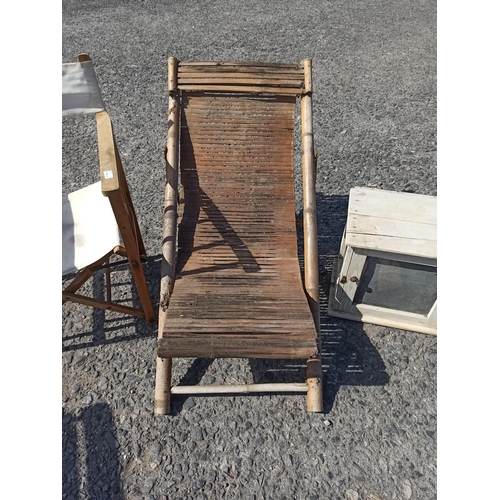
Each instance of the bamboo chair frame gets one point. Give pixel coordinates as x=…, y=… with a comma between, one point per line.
x=114, y=186
x=254, y=86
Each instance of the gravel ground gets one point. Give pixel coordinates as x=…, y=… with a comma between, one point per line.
x=374, y=75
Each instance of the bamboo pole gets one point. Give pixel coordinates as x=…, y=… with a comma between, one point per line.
x=239, y=389
x=311, y=277
x=164, y=365
x=314, y=385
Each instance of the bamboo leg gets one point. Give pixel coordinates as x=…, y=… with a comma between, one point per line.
x=311, y=277
x=314, y=385
x=163, y=386
x=164, y=365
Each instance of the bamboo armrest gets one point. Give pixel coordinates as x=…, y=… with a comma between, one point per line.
x=108, y=155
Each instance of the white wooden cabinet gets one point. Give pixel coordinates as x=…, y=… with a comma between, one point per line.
x=387, y=265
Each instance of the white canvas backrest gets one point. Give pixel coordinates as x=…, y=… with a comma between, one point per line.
x=80, y=89
x=89, y=228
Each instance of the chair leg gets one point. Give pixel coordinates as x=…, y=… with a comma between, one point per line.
x=314, y=385
x=108, y=281
x=163, y=386
x=142, y=289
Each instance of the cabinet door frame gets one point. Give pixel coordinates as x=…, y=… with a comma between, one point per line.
x=345, y=282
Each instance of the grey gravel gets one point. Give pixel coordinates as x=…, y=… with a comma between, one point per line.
x=374, y=73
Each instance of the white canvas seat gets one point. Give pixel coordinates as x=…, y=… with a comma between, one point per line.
x=99, y=220
x=89, y=228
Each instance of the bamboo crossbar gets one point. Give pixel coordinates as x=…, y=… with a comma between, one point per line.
x=212, y=64
x=252, y=89
x=239, y=389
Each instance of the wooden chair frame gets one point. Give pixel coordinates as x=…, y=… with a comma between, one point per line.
x=114, y=187
x=313, y=385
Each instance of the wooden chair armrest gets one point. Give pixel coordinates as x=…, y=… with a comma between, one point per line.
x=108, y=155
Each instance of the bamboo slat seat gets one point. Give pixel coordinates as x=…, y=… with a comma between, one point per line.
x=237, y=289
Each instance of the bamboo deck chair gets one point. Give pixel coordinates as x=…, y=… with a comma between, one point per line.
x=99, y=220
x=234, y=287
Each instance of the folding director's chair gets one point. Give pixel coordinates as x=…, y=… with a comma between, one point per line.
x=99, y=220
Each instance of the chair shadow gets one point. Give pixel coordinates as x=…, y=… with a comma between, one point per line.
x=195, y=201
x=348, y=356
x=103, y=469
x=102, y=326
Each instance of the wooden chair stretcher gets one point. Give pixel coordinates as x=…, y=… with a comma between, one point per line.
x=234, y=288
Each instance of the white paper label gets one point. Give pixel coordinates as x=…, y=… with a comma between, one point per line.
x=108, y=174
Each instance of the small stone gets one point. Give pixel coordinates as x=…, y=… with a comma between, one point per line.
x=327, y=423
x=67, y=358
x=102, y=384
x=197, y=434
x=148, y=484
x=155, y=449
x=407, y=492
x=111, y=440
x=189, y=403
x=87, y=400
x=351, y=495
x=78, y=359
x=198, y=485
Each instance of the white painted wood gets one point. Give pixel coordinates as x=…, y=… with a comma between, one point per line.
x=411, y=259
x=388, y=317
x=391, y=225
x=338, y=298
x=423, y=248
x=393, y=205
x=351, y=272
x=367, y=224
x=433, y=315
x=389, y=221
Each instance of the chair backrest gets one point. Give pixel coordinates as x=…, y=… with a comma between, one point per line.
x=80, y=89
x=241, y=77
x=81, y=95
